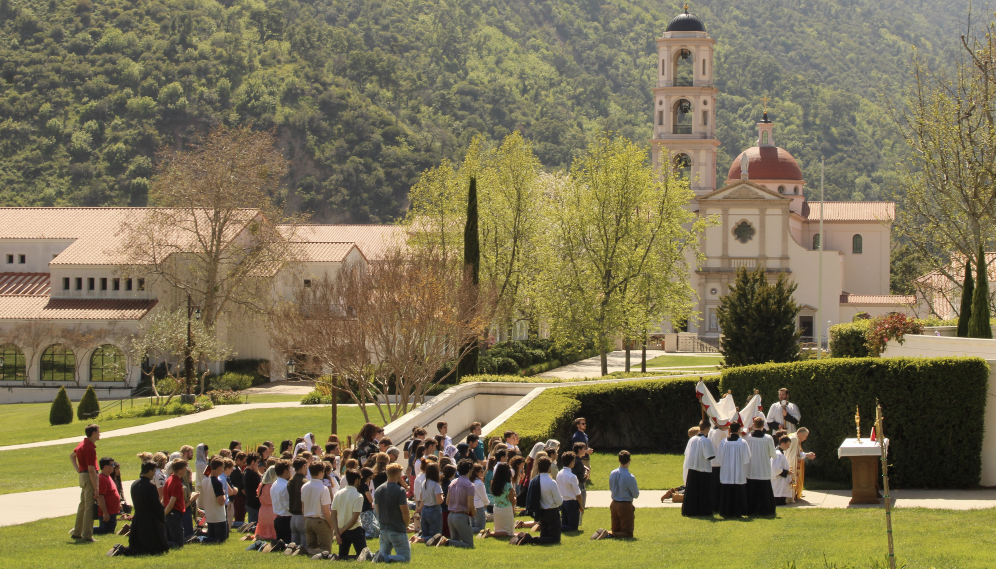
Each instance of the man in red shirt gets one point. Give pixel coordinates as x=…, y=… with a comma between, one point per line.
x=174, y=504
x=84, y=461
x=107, y=498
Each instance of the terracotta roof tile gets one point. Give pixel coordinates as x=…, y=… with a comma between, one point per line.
x=373, y=240
x=24, y=284
x=44, y=308
x=890, y=299
x=852, y=211
x=322, y=252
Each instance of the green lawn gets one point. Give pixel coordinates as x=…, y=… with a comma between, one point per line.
x=848, y=539
x=28, y=422
x=675, y=361
x=652, y=471
x=250, y=427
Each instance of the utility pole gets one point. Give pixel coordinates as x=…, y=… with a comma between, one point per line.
x=819, y=301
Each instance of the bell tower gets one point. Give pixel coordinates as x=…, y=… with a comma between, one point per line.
x=684, y=115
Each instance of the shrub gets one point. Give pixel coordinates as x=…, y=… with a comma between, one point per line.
x=758, y=320
x=89, y=407
x=934, y=430
x=259, y=370
x=848, y=340
x=891, y=327
x=174, y=407
x=225, y=397
x=651, y=416
x=61, y=412
x=229, y=381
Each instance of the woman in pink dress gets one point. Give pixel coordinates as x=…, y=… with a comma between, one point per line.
x=264, y=527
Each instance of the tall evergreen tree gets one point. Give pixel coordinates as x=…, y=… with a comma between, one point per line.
x=472, y=265
x=978, y=324
x=966, y=300
x=61, y=412
x=758, y=320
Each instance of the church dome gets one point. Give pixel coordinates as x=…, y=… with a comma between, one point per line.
x=767, y=163
x=685, y=22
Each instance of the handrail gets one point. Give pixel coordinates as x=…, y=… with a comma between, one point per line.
x=120, y=402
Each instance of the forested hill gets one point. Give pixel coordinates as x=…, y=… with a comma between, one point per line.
x=365, y=94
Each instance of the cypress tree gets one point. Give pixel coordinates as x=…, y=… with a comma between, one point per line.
x=966, y=300
x=472, y=265
x=978, y=324
x=88, y=405
x=758, y=320
x=61, y=412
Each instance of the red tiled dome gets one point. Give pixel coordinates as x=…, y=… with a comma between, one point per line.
x=767, y=163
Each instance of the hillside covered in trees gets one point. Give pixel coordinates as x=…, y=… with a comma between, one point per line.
x=366, y=94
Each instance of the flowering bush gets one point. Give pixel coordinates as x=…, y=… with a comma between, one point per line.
x=220, y=397
x=891, y=327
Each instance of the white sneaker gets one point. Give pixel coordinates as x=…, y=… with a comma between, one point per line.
x=377, y=557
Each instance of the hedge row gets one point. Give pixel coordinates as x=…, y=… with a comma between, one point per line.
x=485, y=378
x=645, y=416
x=934, y=411
x=848, y=340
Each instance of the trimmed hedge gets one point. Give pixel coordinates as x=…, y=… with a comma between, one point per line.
x=934, y=412
x=88, y=405
x=848, y=340
x=644, y=416
x=484, y=378
x=61, y=412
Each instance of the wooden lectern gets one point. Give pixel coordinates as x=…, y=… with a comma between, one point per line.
x=865, y=457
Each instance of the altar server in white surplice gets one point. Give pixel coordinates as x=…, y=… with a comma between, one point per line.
x=717, y=435
x=782, y=414
x=698, y=474
x=733, y=475
x=760, y=497
x=780, y=481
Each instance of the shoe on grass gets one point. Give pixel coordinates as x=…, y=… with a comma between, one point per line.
x=601, y=533
x=365, y=554
x=377, y=557
x=432, y=541
x=118, y=549
x=442, y=541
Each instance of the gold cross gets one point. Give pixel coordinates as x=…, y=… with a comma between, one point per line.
x=765, y=100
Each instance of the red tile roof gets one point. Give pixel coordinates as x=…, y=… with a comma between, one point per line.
x=44, y=308
x=889, y=299
x=24, y=284
x=322, y=252
x=373, y=240
x=851, y=211
x=766, y=163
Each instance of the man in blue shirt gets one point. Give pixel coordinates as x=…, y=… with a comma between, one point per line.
x=624, y=490
x=580, y=436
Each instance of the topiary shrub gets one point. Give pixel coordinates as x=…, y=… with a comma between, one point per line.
x=933, y=407
x=61, y=412
x=229, y=381
x=89, y=406
x=848, y=340
x=505, y=365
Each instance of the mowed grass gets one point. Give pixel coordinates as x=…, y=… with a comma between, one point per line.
x=652, y=471
x=251, y=427
x=28, y=422
x=675, y=361
x=847, y=538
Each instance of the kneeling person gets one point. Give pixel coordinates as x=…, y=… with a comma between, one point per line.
x=316, y=506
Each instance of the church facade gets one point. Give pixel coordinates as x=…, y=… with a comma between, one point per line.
x=764, y=218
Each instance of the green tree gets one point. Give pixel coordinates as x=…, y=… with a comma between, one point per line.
x=978, y=324
x=472, y=268
x=61, y=412
x=965, y=314
x=89, y=405
x=758, y=320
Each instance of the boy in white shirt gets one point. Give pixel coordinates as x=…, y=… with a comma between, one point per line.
x=481, y=500
x=570, y=491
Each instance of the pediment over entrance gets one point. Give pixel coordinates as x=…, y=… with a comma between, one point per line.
x=743, y=190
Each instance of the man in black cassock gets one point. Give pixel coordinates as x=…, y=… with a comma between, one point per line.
x=148, y=528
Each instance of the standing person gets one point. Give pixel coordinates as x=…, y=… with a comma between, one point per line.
x=392, y=510
x=148, y=527
x=782, y=414
x=174, y=503
x=780, y=473
x=108, y=499
x=264, y=525
x=84, y=461
x=280, y=500
x=250, y=479
x=159, y=479
x=479, y=453
x=443, y=427
x=297, y=481
x=366, y=443
x=200, y=465
x=581, y=470
x=717, y=435
x=460, y=500
x=797, y=459
x=367, y=517
x=511, y=440
x=228, y=467
x=698, y=474
x=570, y=491
x=317, y=507
x=624, y=490
x=347, y=506
x=733, y=477
x=545, y=500
x=214, y=494
x=237, y=480
x=581, y=436
x=760, y=497
x=481, y=501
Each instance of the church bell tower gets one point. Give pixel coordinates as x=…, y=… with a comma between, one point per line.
x=684, y=115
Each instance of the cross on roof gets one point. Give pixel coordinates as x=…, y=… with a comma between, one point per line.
x=765, y=100
x=686, y=7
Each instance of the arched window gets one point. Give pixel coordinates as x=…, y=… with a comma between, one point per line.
x=703, y=66
x=683, y=166
x=764, y=137
x=11, y=363
x=682, y=115
x=856, y=243
x=58, y=364
x=796, y=190
x=781, y=189
x=816, y=242
x=108, y=364
x=684, y=69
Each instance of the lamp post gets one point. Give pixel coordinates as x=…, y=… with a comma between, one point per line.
x=188, y=362
x=290, y=368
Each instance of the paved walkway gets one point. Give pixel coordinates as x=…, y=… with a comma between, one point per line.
x=219, y=411
x=31, y=506
x=282, y=387
x=837, y=499
x=592, y=367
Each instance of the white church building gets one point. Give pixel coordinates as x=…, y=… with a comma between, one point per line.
x=764, y=217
